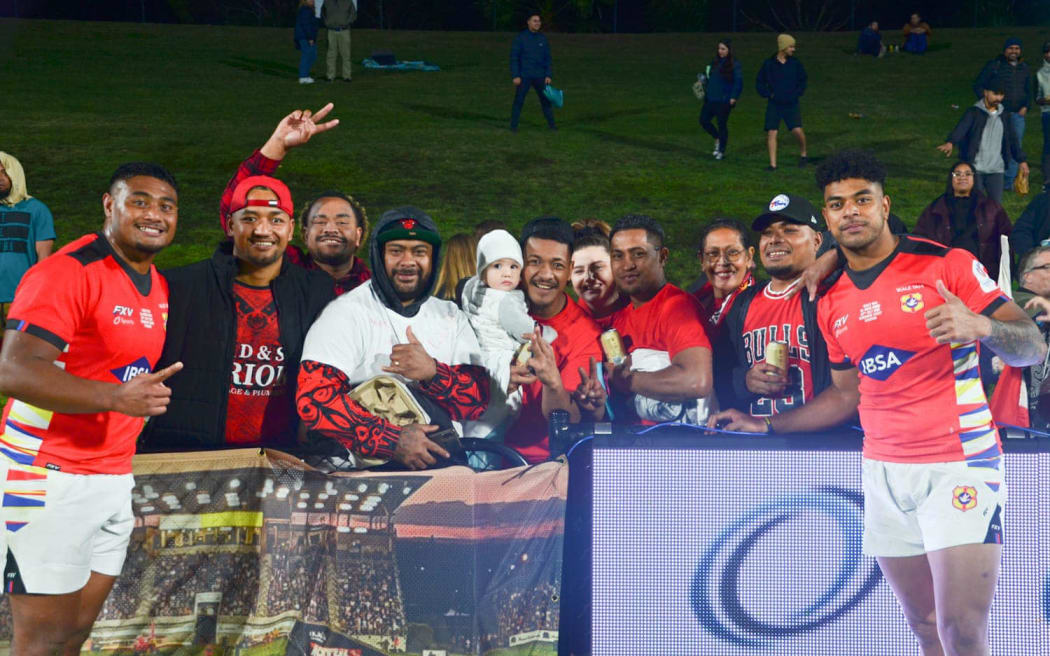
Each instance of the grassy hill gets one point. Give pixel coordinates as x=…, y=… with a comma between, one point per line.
x=80, y=98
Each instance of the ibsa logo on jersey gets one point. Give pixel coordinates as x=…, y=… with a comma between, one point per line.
x=779, y=202
x=912, y=302
x=881, y=361
x=964, y=497
x=129, y=371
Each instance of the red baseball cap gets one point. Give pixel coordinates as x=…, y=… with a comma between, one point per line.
x=240, y=195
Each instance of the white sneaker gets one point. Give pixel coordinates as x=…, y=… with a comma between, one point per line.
x=718, y=147
x=306, y=80
x=719, y=154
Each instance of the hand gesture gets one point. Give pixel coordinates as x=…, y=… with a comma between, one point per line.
x=145, y=395
x=946, y=148
x=734, y=420
x=590, y=395
x=543, y=363
x=414, y=448
x=765, y=379
x=954, y=322
x=1043, y=305
x=620, y=375
x=411, y=360
x=296, y=129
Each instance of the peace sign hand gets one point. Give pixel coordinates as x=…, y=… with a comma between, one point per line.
x=145, y=395
x=296, y=129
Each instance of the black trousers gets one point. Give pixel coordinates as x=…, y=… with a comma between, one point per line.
x=720, y=112
x=527, y=83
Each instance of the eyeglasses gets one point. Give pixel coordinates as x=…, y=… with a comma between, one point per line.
x=1041, y=266
x=962, y=174
x=731, y=254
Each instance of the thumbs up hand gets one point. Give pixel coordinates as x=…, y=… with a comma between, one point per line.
x=145, y=395
x=954, y=322
x=411, y=360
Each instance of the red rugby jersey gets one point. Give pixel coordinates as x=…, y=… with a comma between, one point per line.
x=672, y=321
x=575, y=345
x=920, y=401
x=109, y=321
x=772, y=317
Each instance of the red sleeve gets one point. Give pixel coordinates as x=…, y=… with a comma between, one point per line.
x=462, y=390
x=324, y=407
x=686, y=325
x=49, y=311
x=966, y=277
x=836, y=357
x=256, y=164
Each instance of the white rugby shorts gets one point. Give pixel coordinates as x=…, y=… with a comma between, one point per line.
x=913, y=508
x=60, y=527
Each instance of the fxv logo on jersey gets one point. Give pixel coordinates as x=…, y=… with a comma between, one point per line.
x=881, y=361
x=129, y=371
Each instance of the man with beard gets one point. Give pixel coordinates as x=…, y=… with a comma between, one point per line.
x=334, y=225
x=237, y=322
x=392, y=325
x=902, y=323
x=790, y=236
x=667, y=374
x=78, y=367
x=1013, y=72
x=27, y=231
x=560, y=375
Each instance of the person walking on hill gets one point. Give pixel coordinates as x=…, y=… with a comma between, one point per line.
x=782, y=81
x=1042, y=98
x=725, y=81
x=1013, y=74
x=531, y=68
x=306, y=39
x=338, y=15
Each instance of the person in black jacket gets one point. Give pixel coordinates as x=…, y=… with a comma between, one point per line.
x=987, y=142
x=1013, y=73
x=782, y=81
x=530, y=68
x=1033, y=226
x=724, y=84
x=790, y=235
x=237, y=321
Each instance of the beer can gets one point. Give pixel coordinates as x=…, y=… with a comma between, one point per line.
x=523, y=355
x=612, y=345
x=777, y=354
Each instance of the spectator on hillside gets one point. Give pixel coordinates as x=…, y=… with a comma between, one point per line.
x=592, y=272
x=27, y=231
x=237, y=322
x=728, y=262
x=986, y=142
x=667, y=375
x=559, y=376
x=391, y=325
x=1033, y=226
x=531, y=68
x=870, y=41
x=334, y=227
x=789, y=239
x=916, y=35
x=782, y=81
x=1042, y=98
x=457, y=266
x=1012, y=73
x=965, y=218
x=306, y=39
x=338, y=15
x=725, y=82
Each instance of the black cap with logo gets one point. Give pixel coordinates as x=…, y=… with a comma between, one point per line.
x=788, y=207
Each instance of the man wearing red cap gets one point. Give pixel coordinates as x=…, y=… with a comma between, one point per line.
x=237, y=321
x=334, y=224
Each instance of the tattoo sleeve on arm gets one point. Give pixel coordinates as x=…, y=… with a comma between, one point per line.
x=1017, y=342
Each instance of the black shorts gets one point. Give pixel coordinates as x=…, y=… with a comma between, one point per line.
x=790, y=114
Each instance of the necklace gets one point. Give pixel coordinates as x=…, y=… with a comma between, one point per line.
x=774, y=295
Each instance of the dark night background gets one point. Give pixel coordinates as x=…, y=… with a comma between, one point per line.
x=561, y=15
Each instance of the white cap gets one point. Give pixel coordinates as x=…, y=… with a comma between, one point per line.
x=498, y=245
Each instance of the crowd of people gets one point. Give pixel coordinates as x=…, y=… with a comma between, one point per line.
x=518, y=611
x=310, y=350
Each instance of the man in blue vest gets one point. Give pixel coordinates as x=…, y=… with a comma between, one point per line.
x=530, y=67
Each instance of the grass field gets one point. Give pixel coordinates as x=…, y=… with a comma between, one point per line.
x=79, y=98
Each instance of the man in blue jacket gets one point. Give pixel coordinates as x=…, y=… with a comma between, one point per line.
x=530, y=67
x=782, y=81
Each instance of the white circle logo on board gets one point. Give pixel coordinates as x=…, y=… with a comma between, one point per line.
x=779, y=203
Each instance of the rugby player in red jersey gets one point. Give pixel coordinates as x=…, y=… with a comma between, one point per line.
x=902, y=323
x=84, y=333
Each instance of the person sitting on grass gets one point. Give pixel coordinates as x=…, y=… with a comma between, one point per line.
x=916, y=35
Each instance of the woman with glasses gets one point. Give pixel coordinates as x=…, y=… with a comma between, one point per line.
x=728, y=261
x=963, y=217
